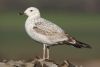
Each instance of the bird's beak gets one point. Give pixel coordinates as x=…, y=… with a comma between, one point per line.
x=21, y=13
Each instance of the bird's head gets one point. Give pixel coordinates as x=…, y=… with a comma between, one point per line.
x=32, y=11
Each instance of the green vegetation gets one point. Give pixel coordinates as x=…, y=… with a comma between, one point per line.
x=15, y=43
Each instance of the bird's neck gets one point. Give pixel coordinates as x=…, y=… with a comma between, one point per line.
x=34, y=17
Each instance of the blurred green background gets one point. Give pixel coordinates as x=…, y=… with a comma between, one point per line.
x=80, y=18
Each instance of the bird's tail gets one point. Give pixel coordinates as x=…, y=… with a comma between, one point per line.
x=79, y=44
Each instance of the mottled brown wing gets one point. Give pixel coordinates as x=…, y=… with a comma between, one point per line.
x=48, y=29
x=47, y=32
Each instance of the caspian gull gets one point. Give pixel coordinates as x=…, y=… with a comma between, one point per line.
x=48, y=33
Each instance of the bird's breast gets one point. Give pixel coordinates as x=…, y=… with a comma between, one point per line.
x=34, y=35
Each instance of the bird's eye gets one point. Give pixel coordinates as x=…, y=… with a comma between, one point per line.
x=31, y=10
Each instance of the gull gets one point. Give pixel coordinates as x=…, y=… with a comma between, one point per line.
x=48, y=33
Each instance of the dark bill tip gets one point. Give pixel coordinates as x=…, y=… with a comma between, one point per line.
x=21, y=13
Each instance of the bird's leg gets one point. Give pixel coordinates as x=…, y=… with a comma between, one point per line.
x=47, y=52
x=44, y=51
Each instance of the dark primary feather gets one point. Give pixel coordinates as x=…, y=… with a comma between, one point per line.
x=78, y=44
x=81, y=45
